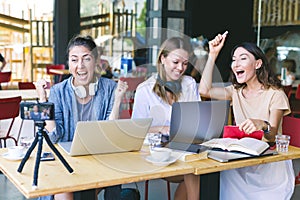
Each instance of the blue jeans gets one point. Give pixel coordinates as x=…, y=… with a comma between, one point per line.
x=113, y=192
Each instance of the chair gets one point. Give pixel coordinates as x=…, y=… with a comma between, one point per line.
x=287, y=90
x=290, y=126
x=295, y=105
x=48, y=71
x=10, y=108
x=128, y=99
x=26, y=85
x=5, y=77
x=297, y=95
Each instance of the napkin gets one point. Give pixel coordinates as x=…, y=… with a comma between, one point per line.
x=235, y=132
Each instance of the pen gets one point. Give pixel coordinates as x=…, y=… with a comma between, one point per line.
x=225, y=33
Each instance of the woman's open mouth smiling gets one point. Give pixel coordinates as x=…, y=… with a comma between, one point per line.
x=239, y=73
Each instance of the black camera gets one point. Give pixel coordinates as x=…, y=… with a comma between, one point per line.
x=37, y=111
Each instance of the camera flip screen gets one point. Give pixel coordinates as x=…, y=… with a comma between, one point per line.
x=37, y=111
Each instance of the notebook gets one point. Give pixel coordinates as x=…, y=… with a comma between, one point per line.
x=108, y=136
x=226, y=156
x=195, y=122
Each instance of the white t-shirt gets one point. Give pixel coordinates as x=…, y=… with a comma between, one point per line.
x=148, y=104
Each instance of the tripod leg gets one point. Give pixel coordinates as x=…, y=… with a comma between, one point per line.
x=37, y=160
x=27, y=155
x=61, y=158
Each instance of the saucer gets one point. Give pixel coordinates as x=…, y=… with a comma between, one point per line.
x=6, y=156
x=171, y=160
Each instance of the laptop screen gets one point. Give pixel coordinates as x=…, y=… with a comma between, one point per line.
x=108, y=136
x=198, y=121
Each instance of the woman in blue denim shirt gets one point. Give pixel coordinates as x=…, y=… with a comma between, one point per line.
x=82, y=97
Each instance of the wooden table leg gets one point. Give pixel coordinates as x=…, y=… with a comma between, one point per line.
x=210, y=186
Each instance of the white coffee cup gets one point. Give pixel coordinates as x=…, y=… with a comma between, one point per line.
x=15, y=151
x=160, y=154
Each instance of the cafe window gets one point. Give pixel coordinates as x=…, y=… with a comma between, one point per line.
x=176, y=5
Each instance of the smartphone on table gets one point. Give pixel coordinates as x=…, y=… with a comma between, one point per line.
x=47, y=156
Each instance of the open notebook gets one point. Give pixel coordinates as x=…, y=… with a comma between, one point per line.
x=227, y=156
x=109, y=136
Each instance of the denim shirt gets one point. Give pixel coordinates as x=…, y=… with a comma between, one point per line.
x=65, y=108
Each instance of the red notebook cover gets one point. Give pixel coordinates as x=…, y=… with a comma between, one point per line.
x=235, y=132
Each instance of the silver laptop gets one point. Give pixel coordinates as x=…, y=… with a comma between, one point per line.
x=195, y=122
x=108, y=136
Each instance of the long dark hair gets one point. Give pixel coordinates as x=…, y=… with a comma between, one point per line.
x=265, y=74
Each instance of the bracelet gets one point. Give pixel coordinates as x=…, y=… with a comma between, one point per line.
x=268, y=127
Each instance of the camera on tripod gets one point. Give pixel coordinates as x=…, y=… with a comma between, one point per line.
x=37, y=111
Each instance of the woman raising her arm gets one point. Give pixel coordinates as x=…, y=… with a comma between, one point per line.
x=259, y=103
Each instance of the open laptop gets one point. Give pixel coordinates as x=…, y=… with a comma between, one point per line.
x=108, y=136
x=195, y=122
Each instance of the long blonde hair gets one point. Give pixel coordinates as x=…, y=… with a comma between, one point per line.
x=168, y=46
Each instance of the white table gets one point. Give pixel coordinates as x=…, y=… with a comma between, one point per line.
x=25, y=94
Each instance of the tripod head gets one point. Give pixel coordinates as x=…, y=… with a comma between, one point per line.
x=40, y=124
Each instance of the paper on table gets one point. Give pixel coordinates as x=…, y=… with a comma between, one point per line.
x=186, y=156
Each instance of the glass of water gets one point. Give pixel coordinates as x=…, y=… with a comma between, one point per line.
x=154, y=140
x=282, y=143
x=26, y=142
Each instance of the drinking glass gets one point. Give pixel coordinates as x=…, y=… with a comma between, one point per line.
x=26, y=142
x=282, y=143
x=154, y=140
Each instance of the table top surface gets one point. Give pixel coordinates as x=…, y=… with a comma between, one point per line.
x=89, y=172
x=25, y=94
x=111, y=169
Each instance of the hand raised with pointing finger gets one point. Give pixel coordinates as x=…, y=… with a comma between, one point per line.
x=217, y=43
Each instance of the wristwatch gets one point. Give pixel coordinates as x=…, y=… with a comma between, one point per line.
x=268, y=127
